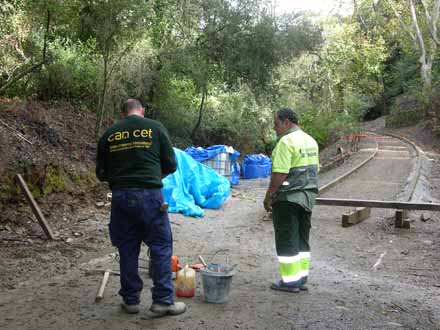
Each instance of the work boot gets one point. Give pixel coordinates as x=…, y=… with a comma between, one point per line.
x=281, y=286
x=162, y=310
x=130, y=309
x=302, y=284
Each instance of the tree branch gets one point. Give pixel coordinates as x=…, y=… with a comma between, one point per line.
x=425, y=7
x=435, y=17
x=402, y=23
x=46, y=35
x=21, y=75
x=376, y=4
x=16, y=132
x=357, y=14
x=202, y=105
x=119, y=58
x=432, y=20
x=35, y=67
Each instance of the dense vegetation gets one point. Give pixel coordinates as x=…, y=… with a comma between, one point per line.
x=213, y=71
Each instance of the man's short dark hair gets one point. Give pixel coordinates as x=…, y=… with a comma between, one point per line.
x=289, y=114
x=131, y=104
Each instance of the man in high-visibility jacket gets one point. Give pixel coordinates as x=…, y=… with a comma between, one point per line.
x=291, y=197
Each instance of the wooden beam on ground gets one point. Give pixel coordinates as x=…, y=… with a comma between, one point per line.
x=34, y=206
x=352, y=218
x=378, y=204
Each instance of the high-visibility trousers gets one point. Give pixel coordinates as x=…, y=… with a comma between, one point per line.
x=292, y=225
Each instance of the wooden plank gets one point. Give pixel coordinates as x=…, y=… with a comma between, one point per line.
x=378, y=204
x=34, y=206
x=352, y=218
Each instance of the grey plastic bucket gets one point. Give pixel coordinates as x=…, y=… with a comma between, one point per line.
x=216, y=286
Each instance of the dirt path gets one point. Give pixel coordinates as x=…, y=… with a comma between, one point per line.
x=347, y=291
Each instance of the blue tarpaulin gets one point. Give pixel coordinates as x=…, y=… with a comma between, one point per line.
x=194, y=186
x=256, y=166
x=202, y=154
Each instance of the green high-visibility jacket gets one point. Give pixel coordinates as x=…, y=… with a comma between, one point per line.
x=297, y=154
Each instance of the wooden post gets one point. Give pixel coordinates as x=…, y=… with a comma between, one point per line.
x=399, y=218
x=34, y=206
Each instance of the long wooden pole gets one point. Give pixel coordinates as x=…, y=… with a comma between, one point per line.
x=34, y=206
x=378, y=204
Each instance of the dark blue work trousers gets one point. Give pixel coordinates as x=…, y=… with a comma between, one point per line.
x=136, y=217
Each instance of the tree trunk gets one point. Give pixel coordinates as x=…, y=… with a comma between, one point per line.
x=424, y=59
x=202, y=105
x=383, y=96
x=426, y=73
x=101, y=104
x=340, y=97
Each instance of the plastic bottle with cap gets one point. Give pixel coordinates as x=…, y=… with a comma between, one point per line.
x=186, y=282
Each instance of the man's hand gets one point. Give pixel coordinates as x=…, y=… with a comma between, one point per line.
x=276, y=180
x=268, y=202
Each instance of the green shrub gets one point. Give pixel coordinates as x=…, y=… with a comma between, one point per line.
x=73, y=74
x=326, y=126
x=176, y=106
x=8, y=188
x=236, y=119
x=406, y=110
x=403, y=118
x=358, y=104
x=55, y=180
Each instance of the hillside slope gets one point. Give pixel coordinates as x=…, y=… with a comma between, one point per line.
x=53, y=146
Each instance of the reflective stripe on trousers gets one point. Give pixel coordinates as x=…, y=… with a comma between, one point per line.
x=293, y=269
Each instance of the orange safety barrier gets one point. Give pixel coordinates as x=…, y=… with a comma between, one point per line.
x=354, y=139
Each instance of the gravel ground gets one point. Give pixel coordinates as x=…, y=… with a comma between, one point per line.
x=368, y=276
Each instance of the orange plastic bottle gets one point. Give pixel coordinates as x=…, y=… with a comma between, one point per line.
x=175, y=264
x=186, y=282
